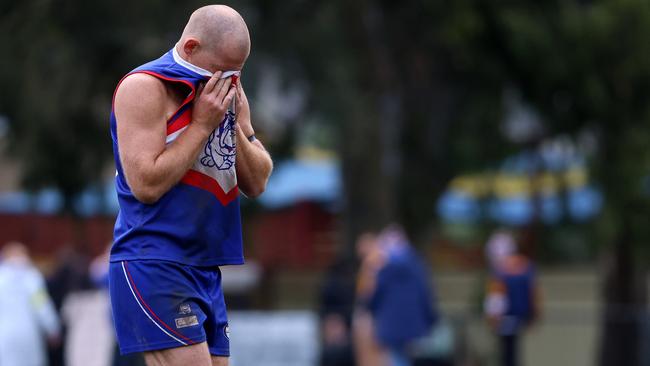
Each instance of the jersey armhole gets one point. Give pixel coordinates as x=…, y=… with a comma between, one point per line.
x=187, y=99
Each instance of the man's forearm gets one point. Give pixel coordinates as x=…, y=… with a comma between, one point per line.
x=254, y=165
x=171, y=165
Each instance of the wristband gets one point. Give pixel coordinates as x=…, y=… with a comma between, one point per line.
x=252, y=138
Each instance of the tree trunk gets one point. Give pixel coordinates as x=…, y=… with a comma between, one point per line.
x=625, y=296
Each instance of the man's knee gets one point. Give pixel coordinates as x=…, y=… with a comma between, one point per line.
x=196, y=354
x=219, y=361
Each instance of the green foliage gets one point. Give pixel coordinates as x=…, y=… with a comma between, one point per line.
x=61, y=63
x=592, y=71
x=413, y=88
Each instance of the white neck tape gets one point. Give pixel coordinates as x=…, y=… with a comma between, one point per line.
x=201, y=71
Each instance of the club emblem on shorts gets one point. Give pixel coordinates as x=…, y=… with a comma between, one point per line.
x=220, y=151
x=184, y=309
x=187, y=321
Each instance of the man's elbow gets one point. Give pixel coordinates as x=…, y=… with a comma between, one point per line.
x=254, y=190
x=146, y=185
x=147, y=194
x=256, y=186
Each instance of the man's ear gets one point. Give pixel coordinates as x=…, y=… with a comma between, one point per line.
x=190, y=46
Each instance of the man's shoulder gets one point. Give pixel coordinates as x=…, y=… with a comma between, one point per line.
x=144, y=92
x=140, y=82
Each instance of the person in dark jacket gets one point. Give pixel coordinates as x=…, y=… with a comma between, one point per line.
x=394, y=290
x=512, y=302
x=336, y=304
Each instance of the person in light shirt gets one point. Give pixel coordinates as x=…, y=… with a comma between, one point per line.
x=27, y=316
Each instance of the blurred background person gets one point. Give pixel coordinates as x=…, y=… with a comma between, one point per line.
x=512, y=297
x=98, y=273
x=70, y=275
x=28, y=319
x=500, y=245
x=367, y=350
x=395, y=299
x=336, y=304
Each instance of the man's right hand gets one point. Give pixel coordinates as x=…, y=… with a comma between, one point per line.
x=142, y=107
x=212, y=101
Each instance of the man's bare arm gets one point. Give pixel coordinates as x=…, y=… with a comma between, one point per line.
x=150, y=166
x=254, y=164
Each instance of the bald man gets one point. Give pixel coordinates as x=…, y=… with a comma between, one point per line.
x=184, y=148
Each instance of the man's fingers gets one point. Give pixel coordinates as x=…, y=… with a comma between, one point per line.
x=228, y=98
x=225, y=86
x=241, y=97
x=240, y=90
x=199, y=90
x=209, y=86
x=238, y=95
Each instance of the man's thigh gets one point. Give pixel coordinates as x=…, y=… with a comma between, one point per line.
x=196, y=355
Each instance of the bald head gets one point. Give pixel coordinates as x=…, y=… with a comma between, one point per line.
x=219, y=32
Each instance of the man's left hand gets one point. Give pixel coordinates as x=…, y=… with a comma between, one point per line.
x=243, y=111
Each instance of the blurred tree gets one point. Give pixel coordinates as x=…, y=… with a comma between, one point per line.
x=380, y=74
x=62, y=62
x=585, y=66
x=325, y=53
x=414, y=89
x=413, y=85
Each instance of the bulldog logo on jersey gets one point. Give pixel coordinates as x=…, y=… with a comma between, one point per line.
x=220, y=149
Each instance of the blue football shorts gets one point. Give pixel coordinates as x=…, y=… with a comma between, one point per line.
x=161, y=304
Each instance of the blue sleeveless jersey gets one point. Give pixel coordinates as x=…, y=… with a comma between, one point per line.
x=198, y=221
